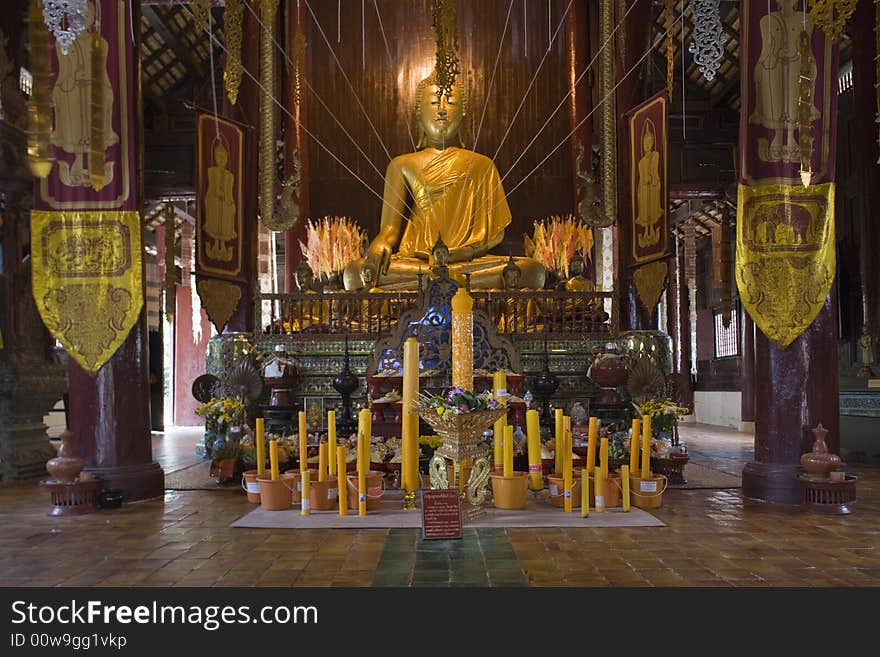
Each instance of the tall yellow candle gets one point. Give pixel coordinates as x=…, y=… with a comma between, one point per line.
x=560, y=438
x=306, y=492
x=365, y=421
x=360, y=453
x=463, y=340
x=533, y=434
x=600, y=491
x=634, y=446
x=497, y=442
x=603, y=457
x=322, y=461
x=508, y=451
x=585, y=493
x=331, y=441
x=303, y=443
x=646, y=447
x=273, y=459
x=592, y=433
x=499, y=382
x=342, y=482
x=624, y=481
x=362, y=492
x=413, y=481
x=260, y=444
x=567, y=474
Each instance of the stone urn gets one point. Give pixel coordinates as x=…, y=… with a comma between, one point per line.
x=65, y=467
x=609, y=371
x=820, y=462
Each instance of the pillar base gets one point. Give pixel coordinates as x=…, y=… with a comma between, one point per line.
x=772, y=482
x=137, y=482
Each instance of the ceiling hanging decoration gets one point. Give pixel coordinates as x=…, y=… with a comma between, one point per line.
x=877, y=65
x=65, y=19
x=445, y=22
x=670, y=46
x=200, y=9
x=170, y=268
x=806, y=87
x=299, y=62
x=232, y=27
x=831, y=15
x=706, y=45
x=39, y=106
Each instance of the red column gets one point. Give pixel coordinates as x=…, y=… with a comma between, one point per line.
x=747, y=412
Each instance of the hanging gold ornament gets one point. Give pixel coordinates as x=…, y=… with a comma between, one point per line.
x=96, y=133
x=877, y=66
x=200, y=9
x=170, y=271
x=726, y=266
x=445, y=22
x=670, y=47
x=232, y=29
x=805, y=108
x=39, y=109
x=299, y=63
x=831, y=15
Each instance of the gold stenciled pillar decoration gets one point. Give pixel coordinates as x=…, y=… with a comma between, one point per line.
x=39, y=109
x=463, y=340
x=299, y=62
x=232, y=16
x=97, y=143
x=726, y=266
x=170, y=272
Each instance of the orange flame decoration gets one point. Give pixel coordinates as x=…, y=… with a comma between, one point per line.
x=556, y=240
x=331, y=243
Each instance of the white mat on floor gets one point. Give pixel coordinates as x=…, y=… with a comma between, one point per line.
x=538, y=513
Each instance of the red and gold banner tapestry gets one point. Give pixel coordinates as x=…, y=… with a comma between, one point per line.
x=785, y=249
x=649, y=197
x=86, y=229
x=219, y=216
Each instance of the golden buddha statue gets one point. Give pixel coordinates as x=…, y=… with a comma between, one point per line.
x=443, y=191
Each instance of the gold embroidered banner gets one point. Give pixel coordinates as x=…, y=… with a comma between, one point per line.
x=785, y=255
x=87, y=280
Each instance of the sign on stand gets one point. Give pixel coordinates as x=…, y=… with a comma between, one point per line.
x=441, y=514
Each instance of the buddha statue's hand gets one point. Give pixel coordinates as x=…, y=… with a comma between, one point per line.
x=375, y=264
x=464, y=254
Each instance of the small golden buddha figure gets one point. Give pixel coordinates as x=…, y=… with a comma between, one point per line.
x=577, y=282
x=445, y=190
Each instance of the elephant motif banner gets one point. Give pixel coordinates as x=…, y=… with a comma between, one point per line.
x=88, y=280
x=785, y=258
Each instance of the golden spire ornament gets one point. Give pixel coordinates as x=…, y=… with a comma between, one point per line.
x=831, y=15
x=232, y=16
x=670, y=46
x=445, y=22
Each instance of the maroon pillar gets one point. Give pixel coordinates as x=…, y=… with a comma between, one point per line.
x=796, y=389
x=635, y=34
x=747, y=408
x=867, y=174
x=295, y=136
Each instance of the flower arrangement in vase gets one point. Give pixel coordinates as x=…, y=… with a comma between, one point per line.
x=331, y=243
x=555, y=241
x=664, y=415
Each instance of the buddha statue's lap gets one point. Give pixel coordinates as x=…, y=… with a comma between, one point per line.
x=440, y=195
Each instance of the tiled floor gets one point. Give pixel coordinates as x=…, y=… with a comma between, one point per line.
x=712, y=538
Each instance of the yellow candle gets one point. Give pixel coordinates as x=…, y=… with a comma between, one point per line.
x=362, y=492
x=499, y=380
x=603, y=456
x=341, y=481
x=646, y=447
x=331, y=441
x=585, y=493
x=592, y=432
x=303, y=443
x=634, y=446
x=306, y=491
x=322, y=461
x=559, y=440
x=365, y=420
x=463, y=340
x=533, y=432
x=600, y=491
x=624, y=480
x=497, y=442
x=260, y=444
x=567, y=474
x=409, y=438
x=360, y=453
x=273, y=459
x=508, y=451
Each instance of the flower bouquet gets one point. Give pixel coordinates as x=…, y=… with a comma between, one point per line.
x=664, y=416
x=459, y=417
x=223, y=424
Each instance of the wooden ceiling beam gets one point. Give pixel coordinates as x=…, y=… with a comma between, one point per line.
x=182, y=54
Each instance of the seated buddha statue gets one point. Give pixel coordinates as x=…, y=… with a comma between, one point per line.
x=444, y=191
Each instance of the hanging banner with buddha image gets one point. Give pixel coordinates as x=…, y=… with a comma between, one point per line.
x=649, y=197
x=785, y=247
x=219, y=216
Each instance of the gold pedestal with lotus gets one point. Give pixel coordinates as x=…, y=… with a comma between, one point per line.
x=460, y=434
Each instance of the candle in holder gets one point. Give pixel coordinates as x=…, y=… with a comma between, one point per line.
x=260, y=445
x=533, y=433
x=498, y=442
x=463, y=340
x=362, y=492
x=322, y=462
x=646, y=447
x=342, y=481
x=585, y=493
x=365, y=420
x=306, y=492
x=600, y=492
x=624, y=480
x=331, y=441
x=603, y=457
x=409, y=431
x=360, y=453
x=559, y=464
x=567, y=474
x=634, y=446
x=273, y=459
x=499, y=382
x=303, y=443
x=508, y=451
x=591, y=443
